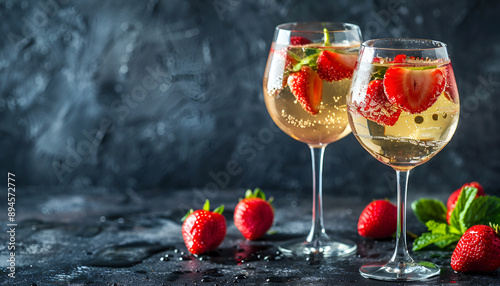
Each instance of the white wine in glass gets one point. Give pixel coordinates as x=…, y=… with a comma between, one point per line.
x=306, y=81
x=403, y=108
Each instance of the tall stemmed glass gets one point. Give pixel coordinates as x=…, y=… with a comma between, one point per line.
x=306, y=81
x=403, y=108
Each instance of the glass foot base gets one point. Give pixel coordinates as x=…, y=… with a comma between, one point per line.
x=402, y=271
x=325, y=248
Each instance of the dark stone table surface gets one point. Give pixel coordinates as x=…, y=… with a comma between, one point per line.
x=126, y=237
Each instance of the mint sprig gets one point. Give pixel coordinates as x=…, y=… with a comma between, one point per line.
x=469, y=211
x=429, y=209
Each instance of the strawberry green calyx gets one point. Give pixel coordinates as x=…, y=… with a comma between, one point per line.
x=495, y=227
x=257, y=193
x=326, y=38
x=219, y=209
x=188, y=214
x=206, y=207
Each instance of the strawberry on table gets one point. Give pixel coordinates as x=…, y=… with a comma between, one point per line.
x=335, y=66
x=378, y=220
x=307, y=87
x=204, y=230
x=253, y=215
x=452, y=200
x=414, y=90
x=477, y=250
x=376, y=107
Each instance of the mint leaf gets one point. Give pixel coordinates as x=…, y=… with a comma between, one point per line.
x=441, y=234
x=442, y=228
x=310, y=52
x=308, y=61
x=463, y=204
x=440, y=240
x=483, y=210
x=469, y=211
x=379, y=72
x=429, y=209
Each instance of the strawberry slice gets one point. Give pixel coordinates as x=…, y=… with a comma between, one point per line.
x=376, y=107
x=297, y=41
x=334, y=66
x=400, y=59
x=307, y=87
x=414, y=90
x=451, y=90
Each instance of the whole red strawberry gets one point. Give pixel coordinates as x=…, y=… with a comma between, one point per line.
x=452, y=200
x=253, y=215
x=204, y=230
x=477, y=250
x=307, y=87
x=378, y=220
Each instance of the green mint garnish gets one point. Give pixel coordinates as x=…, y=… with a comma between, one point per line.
x=469, y=211
x=326, y=38
x=379, y=72
x=429, y=209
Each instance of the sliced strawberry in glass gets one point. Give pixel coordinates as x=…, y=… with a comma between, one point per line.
x=414, y=90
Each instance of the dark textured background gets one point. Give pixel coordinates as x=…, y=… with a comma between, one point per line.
x=168, y=94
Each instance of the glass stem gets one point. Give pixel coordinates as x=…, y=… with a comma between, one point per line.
x=317, y=233
x=401, y=256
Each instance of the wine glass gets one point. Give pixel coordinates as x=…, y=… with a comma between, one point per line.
x=403, y=108
x=307, y=77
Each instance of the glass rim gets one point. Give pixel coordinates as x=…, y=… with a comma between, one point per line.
x=343, y=26
x=437, y=44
